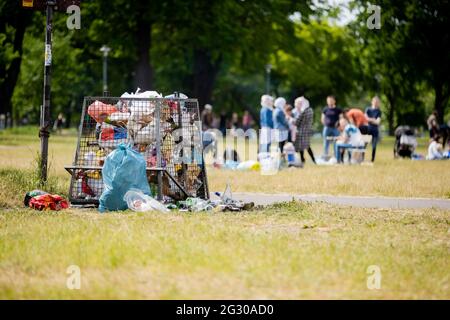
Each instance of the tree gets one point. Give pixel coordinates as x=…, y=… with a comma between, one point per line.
x=127, y=28
x=216, y=34
x=428, y=47
x=70, y=77
x=14, y=21
x=410, y=52
x=317, y=62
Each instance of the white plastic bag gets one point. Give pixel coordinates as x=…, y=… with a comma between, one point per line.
x=138, y=201
x=270, y=164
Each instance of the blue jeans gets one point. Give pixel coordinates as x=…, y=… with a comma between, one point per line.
x=328, y=132
x=338, y=148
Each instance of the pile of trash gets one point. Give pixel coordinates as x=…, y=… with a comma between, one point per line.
x=138, y=201
x=41, y=200
x=268, y=163
x=164, y=130
x=126, y=187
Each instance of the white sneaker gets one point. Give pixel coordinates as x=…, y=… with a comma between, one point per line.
x=332, y=160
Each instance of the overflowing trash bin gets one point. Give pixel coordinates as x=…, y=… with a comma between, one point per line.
x=165, y=131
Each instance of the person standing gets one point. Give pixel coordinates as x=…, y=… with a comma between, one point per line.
x=207, y=117
x=280, y=123
x=288, y=110
x=373, y=114
x=247, y=121
x=432, y=122
x=234, y=121
x=59, y=123
x=304, y=130
x=330, y=119
x=266, y=122
x=358, y=118
x=223, y=123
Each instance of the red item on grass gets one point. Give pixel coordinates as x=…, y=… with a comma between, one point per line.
x=48, y=202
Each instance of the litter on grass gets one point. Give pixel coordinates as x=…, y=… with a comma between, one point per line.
x=41, y=200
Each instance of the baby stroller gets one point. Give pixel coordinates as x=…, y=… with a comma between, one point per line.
x=405, y=142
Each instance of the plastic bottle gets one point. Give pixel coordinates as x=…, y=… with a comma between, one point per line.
x=138, y=201
x=227, y=196
x=201, y=205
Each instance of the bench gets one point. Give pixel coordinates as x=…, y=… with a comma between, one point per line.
x=356, y=154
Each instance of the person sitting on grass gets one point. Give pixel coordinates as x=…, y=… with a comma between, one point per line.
x=350, y=138
x=435, y=149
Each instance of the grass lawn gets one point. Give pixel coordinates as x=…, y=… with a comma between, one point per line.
x=388, y=177
x=291, y=250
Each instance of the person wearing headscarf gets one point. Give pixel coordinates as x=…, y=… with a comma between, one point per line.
x=304, y=128
x=266, y=122
x=280, y=123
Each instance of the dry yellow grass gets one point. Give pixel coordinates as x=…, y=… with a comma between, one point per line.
x=286, y=251
x=289, y=251
x=387, y=177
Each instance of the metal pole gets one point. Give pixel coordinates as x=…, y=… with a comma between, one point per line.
x=44, y=132
x=158, y=146
x=105, y=49
x=105, y=73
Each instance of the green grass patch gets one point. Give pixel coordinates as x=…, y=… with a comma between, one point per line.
x=291, y=250
x=15, y=183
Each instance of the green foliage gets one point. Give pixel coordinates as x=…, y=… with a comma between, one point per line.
x=217, y=50
x=318, y=62
x=407, y=57
x=69, y=78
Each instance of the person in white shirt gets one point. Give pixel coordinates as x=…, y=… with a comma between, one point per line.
x=350, y=138
x=435, y=149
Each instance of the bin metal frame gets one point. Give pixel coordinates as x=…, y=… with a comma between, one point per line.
x=184, y=115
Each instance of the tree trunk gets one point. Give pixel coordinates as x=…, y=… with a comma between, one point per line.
x=144, y=71
x=11, y=74
x=205, y=73
x=440, y=102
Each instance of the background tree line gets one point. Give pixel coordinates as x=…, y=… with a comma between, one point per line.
x=217, y=50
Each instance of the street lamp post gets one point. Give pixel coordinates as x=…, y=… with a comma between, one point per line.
x=49, y=6
x=268, y=70
x=45, y=122
x=105, y=49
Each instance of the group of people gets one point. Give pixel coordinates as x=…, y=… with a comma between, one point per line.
x=224, y=122
x=282, y=123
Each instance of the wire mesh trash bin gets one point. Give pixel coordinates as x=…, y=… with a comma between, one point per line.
x=167, y=132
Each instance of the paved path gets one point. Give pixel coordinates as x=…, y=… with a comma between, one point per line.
x=355, y=201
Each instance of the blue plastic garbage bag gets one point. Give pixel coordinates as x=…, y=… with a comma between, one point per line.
x=124, y=169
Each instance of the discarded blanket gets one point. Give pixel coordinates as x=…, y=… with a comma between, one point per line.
x=41, y=200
